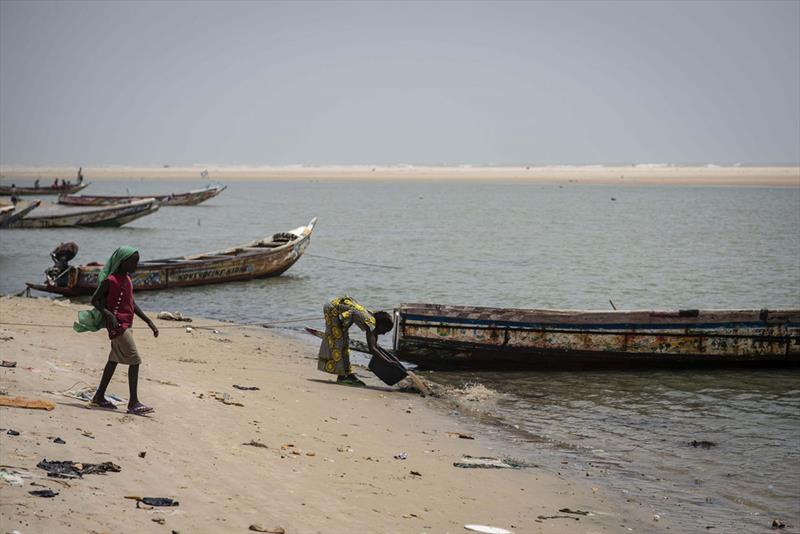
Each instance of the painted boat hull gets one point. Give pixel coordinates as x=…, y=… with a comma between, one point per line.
x=8, y=218
x=244, y=262
x=191, y=198
x=42, y=191
x=116, y=215
x=453, y=337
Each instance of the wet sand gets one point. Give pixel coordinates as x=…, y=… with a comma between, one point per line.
x=327, y=466
x=771, y=176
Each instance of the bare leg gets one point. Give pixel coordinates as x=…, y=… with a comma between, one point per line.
x=108, y=372
x=133, y=385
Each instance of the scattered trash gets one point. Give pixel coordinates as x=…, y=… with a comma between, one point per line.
x=165, y=382
x=311, y=454
x=656, y=517
x=70, y=469
x=33, y=404
x=416, y=474
x=85, y=392
x=224, y=398
x=577, y=512
x=12, y=478
x=401, y=456
x=777, y=523
x=59, y=441
x=459, y=435
x=188, y=329
x=142, y=454
x=246, y=388
x=486, y=462
x=86, y=433
x=8, y=364
x=6, y=338
x=259, y=528
x=12, y=432
x=173, y=316
x=152, y=501
x=253, y=443
x=704, y=444
x=159, y=520
x=191, y=360
x=487, y=529
x=543, y=517
x=44, y=493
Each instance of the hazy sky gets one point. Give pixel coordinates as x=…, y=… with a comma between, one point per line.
x=422, y=83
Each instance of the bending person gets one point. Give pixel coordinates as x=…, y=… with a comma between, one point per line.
x=334, y=352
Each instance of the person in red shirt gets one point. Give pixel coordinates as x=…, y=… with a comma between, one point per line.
x=114, y=300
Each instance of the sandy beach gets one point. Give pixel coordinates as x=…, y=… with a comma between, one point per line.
x=327, y=464
x=766, y=176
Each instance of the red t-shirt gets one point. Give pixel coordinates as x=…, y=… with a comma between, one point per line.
x=120, y=302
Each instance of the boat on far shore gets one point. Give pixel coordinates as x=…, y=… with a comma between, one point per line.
x=190, y=198
x=437, y=336
x=8, y=190
x=269, y=256
x=48, y=215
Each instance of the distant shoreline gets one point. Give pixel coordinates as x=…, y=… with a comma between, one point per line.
x=763, y=176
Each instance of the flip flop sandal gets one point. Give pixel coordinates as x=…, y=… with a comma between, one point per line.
x=104, y=405
x=141, y=410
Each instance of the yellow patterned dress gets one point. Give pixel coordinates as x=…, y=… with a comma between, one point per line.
x=340, y=314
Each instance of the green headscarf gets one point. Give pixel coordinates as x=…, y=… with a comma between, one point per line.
x=92, y=320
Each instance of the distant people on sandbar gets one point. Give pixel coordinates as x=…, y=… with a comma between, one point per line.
x=55, y=184
x=14, y=198
x=334, y=352
x=114, y=308
x=36, y=184
x=80, y=175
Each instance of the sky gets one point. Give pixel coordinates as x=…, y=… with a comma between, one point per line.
x=421, y=83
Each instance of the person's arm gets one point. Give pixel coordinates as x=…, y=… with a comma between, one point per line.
x=138, y=311
x=99, y=302
x=372, y=343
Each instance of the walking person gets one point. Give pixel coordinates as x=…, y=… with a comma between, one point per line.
x=114, y=308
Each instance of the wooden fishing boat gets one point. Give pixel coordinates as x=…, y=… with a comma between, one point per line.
x=447, y=337
x=13, y=213
x=190, y=198
x=41, y=191
x=261, y=258
x=52, y=215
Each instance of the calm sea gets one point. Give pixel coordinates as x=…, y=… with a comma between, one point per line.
x=529, y=245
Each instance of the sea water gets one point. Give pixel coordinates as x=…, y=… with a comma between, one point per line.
x=527, y=245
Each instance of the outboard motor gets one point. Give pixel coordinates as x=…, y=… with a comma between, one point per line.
x=61, y=256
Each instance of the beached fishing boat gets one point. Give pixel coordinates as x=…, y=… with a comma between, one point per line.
x=261, y=258
x=53, y=215
x=7, y=190
x=190, y=198
x=447, y=337
x=15, y=212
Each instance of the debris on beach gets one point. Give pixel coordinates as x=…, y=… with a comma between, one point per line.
x=59, y=441
x=254, y=443
x=401, y=456
x=545, y=517
x=44, y=493
x=142, y=454
x=12, y=432
x=246, y=388
x=459, y=435
x=702, y=443
x=6, y=363
x=224, y=398
x=173, y=316
x=576, y=512
x=416, y=474
x=487, y=462
x=777, y=523
x=259, y=528
x=486, y=529
x=159, y=520
x=152, y=501
x=70, y=469
x=191, y=360
x=12, y=477
x=85, y=392
x=165, y=382
x=20, y=402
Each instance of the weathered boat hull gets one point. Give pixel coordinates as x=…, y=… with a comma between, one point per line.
x=450, y=337
x=248, y=261
x=116, y=215
x=42, y=191
x=191, y=198
x=9, y=217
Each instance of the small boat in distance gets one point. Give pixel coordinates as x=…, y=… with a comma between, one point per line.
x=190, y=198
x=269, y=256
x=49, y=215
x=452, y=337
x=9, y=190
